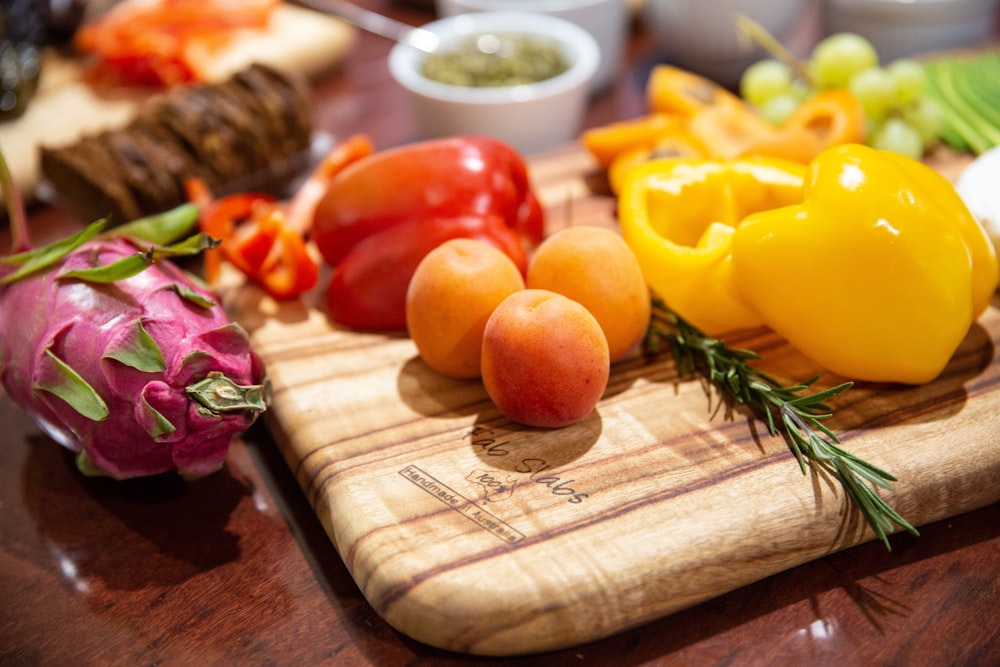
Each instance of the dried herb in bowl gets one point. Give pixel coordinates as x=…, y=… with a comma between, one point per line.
x=491, y=61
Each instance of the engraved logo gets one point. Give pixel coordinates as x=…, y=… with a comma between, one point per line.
x=496, y=485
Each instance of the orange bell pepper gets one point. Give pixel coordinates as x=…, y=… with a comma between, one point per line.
x=688, y=105
x=673, y=90
x=609, y=141
x=828, y=118
x=731, y=132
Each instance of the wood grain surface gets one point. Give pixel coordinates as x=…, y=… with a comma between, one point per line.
x=471, y=533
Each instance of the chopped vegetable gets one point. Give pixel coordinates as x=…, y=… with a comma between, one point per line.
x=691, y=116
x=264, y=238
x=167, y=42
x=256, y=239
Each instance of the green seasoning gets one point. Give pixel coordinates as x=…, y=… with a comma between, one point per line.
x=489, y=61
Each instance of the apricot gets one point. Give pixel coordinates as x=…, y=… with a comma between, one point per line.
x=452, y=293
x=544, y=359
x=596, y=268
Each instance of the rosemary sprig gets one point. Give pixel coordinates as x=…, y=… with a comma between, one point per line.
x=796, y=416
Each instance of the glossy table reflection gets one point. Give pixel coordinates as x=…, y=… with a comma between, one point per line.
x=236, y=570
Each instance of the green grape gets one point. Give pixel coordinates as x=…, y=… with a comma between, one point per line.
x=778, y=108
x=838, y=57
x=898, y=136
x=910, y=78
x=927, y=118
x=765, y=79
x=876, y=90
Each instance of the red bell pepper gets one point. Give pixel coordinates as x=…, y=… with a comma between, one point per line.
x=368, y=289
x=391, y=208
x=302, y=207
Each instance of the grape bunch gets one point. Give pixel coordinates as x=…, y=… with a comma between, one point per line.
x=902, y=116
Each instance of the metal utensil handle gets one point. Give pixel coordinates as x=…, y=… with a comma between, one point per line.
x=373, y=22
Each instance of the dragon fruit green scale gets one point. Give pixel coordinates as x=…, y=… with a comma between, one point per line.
x=140, y=375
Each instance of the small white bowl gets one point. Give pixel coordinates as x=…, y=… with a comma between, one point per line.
x=530, y=117
x=701, y=35
x=901, y=28
x=606, y=20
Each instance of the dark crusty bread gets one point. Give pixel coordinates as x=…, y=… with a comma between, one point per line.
x=246, y=129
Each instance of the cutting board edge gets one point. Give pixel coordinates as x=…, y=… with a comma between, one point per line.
x=412, y=616
x=410, y=612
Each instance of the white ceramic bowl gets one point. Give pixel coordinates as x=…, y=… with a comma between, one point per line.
x=530, y=117
x=606, y=20
x=900, y=28
x=701, y=35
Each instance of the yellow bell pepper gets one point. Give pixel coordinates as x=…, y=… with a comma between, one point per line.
x=679, y=215
x=676, y=143
x=877, y=274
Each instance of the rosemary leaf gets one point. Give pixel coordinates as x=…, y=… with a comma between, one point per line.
x=787, y=411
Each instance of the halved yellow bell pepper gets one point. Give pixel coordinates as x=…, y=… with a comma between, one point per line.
x=673, y=143
x=679, y=216
x=877, y=274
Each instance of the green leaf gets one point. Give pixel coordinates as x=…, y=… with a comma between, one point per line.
x=197, y=298
x=126, y=267
x=138, y=350
x=162, y=228
x=41, y=258
x=74, y=390
x=190, y=246
x=161, y=425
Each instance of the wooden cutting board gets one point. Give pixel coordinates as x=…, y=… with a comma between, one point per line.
x=474, y=534
x=66, y=107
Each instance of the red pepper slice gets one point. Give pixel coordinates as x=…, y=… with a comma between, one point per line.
x=302, y=207
x=368, y=288
x=273, y=256
x=166, y=42
x=256, y=240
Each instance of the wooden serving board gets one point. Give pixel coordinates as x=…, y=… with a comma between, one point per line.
x=474, y=534
x=67, y=107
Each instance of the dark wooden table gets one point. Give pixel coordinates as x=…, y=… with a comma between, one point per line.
x=235, y=569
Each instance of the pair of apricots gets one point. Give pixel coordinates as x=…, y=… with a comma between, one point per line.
x=542, y=342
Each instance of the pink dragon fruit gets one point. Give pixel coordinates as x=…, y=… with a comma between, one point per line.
x=121, y=356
